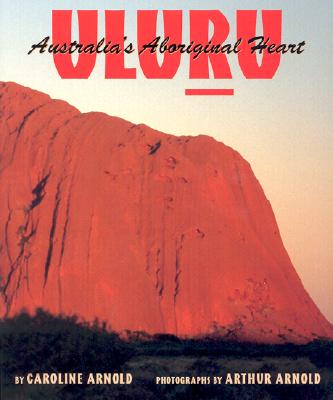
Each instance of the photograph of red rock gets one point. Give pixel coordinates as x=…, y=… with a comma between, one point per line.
x=151, y=233
x=166, y=214
x=146, y=231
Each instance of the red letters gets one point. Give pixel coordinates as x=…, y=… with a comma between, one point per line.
x=204, y=48
x=115, y=32
x=147, y=28
x=62, y=33
x=199, y=25
x=246, y=29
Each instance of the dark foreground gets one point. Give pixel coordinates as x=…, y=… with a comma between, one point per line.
x=56, y=344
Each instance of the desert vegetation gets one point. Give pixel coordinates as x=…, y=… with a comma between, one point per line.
x=33, y=344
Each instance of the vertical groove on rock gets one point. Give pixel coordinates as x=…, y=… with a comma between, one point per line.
x=27, y=277
x=89, y=239
x=63, y=244
x=64, y=232
x=148, y=262
x=159, y=286
x=8, y=219
x=179, y=248
x=16, y=264
x=159, y=283
x=141, y=185
x=48, y=260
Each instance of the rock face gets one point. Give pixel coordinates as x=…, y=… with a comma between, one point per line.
x=148, y=231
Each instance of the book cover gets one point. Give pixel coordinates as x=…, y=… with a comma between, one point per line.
x=166, y=200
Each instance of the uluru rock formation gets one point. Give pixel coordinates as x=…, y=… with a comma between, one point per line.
x=147, y=231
